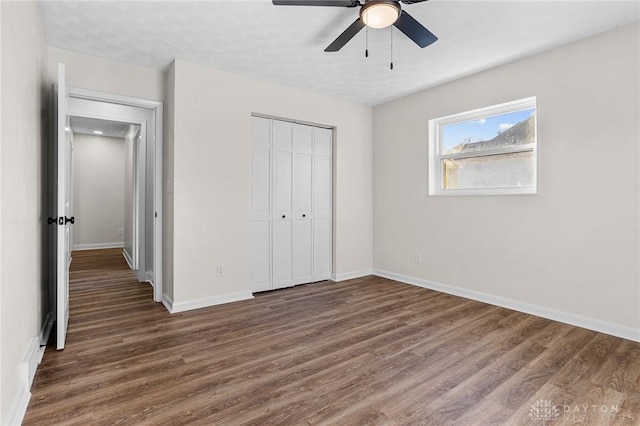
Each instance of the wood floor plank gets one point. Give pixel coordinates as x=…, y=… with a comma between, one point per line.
x=363, y=351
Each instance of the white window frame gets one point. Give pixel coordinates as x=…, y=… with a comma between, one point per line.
x=435, y=183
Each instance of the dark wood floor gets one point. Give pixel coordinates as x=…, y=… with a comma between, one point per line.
x=364, y=351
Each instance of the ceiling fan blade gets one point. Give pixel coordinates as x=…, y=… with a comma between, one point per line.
x=337, y=3
x=414, y=30
x=345, y=36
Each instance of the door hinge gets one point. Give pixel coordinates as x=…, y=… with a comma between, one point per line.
x=61, y=220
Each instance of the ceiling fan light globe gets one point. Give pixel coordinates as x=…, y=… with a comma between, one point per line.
x=379, y=15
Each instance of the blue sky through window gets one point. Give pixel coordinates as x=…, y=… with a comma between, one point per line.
x=483, y=129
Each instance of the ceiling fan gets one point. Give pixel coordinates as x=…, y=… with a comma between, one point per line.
x=373, y=14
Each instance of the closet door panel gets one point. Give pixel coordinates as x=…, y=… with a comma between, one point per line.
x=303, y=204
x=302, y=219
x=322, y=252
x=261, y=255
x=303, y=252
x=323, y=142
x=282, y=136
x=322, y=188
x=260, y=184
x=282, y=177
x=323, y=205
x=282, y=253
x=261, y=205
x=261, y=133
x=303, y=138
x=302, y=187
x=282, y=168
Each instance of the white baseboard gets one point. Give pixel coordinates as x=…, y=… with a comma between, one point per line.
x=528, y=308
x=175, y=307
x=127, y=258
x=97, y=246
x=167, y=302
x=351, y=275
x=149, y=277
x=32, y=360
x=27, y=370
x=20, y=407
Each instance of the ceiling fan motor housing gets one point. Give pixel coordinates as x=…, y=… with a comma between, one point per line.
x=380, y=13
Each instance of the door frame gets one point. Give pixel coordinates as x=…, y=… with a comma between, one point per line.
x=154, y=141
x=62, y=202
x=271, y=217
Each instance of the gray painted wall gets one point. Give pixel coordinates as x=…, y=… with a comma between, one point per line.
x=99, y=191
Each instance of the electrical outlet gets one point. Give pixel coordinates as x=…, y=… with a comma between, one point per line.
x=220, y=270
x=418, y=257
x=120, y=231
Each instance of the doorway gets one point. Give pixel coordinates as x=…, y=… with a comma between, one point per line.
x=143, y=120
x=105, y=186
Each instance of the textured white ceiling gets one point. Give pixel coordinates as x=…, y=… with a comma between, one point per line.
x=285, y=44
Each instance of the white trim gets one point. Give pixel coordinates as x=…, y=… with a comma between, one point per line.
x=455, y=192
x=95, y=95
x=491, y=110
x=157, y=108
x=20, y=407
x=27, y=370
x=32, y=360
x=167, y=302
x=149, y=277
x=528, y=308
x=98, y=246
x=128, y=259
x=289, y=120
x=205, y=303
x=351, y=275
x=158, y=173
x=435, y=157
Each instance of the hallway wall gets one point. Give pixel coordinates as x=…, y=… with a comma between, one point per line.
x=99, y=191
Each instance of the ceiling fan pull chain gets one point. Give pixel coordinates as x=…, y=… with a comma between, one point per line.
x=391, y=29
x=366, y=49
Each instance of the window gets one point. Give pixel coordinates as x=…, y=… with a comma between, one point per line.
x=486, y=151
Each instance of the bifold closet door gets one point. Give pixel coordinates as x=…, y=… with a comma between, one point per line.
x=282, y=254
x=291, y=204
x=322, y=205
x=261, y=205
x=303, y=137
